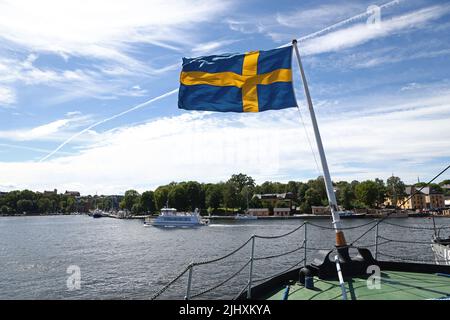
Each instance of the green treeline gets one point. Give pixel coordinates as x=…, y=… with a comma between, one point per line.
x=236, y=194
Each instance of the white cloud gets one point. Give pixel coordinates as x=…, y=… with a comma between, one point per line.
x=212, y=46
x=107, y=33
x=7, y=96
x=271, y=145
x=102, y=29
x=319, y=16
x=55, y=130
x=76, y=83
x=73, y=113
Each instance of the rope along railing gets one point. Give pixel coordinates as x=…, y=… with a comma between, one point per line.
x=280, y=273
x=190, y=268
x=342, y=228
x=279, y=254
x=402, y=241
x=380, y=240
x=223, y=282
x=281, y=235
x=163, y=289
x=414, y=227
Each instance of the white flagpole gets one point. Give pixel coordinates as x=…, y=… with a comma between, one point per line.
x=340, y=239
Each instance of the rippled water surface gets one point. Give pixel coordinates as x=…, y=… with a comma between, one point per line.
x=122, y=259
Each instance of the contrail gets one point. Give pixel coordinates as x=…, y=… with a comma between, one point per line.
x=343, y=22
x=7, y=145
x=144, y=104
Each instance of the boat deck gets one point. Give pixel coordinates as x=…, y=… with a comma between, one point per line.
x=394, y=286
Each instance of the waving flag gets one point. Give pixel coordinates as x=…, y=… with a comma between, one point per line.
x=252, y=82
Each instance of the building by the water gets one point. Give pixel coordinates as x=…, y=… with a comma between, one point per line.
x=427, y=198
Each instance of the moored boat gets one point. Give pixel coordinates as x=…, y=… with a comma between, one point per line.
x=347, y=214
x=245, y=217
x=97, y=213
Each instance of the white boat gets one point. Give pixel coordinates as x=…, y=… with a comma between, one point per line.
x=441, y=249
x=97, y=213
x=347, y=214
x=245, y=217
x=169, y=217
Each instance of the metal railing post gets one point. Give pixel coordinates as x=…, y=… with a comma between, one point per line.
x=305, y=242
x=249, y=289
x=376, y=241
x=188, y=289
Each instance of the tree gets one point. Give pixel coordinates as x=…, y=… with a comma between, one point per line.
x=255, y=202
x=345, y=194
x=44, y=205
x=11, y=199
x=25, y=206
x=147, y=203
x=131, y=197
x=62, y=206
x=312, y=198
x=245, y=196
x=161, y=196
x=27, y=195
x=241, y=180
x=4, y=210
x=230, y=195
x=302, y=187
x=70, y=205
x=106, y=204
x=194, y=194
x=271, y=187
x=213, y=196
x=319, y=186
x=367, y=192
x=294, y=187
x=381, y=192
x=434, y=187
x=178, y=197
x=395, y=189
x=136, y=208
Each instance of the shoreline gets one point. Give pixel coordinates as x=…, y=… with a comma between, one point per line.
x=232, y=218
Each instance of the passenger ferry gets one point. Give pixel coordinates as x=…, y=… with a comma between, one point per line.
x=169, y=217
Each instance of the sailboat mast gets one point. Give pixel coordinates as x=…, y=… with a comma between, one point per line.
x=340, y=239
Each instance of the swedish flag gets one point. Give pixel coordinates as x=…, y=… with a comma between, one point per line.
x=252, y=82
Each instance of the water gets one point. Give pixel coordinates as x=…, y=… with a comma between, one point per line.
x=122, y=259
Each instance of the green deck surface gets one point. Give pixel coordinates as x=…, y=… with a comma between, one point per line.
x=394, y=286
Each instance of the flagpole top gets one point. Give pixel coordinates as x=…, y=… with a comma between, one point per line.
x=294, y=41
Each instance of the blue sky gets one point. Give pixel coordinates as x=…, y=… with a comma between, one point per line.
x=69, y=73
